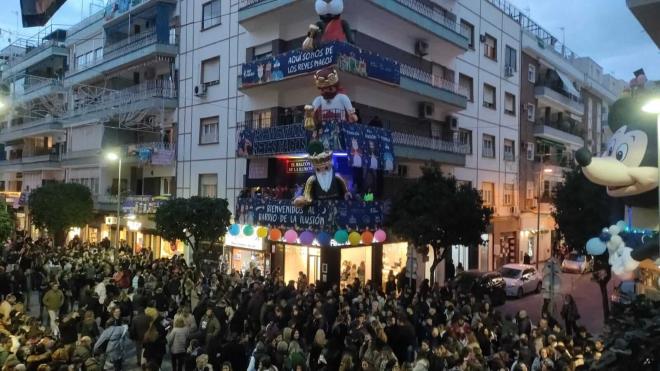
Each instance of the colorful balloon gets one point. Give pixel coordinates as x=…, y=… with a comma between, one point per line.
x=367, y=237
x=307, y=238
x=595, y=246
x=291, y=236
x=380, y=236
x=354, y=238
x=262, y=232
x=275, y=234
x=324, y=238
x=234, y=230
x=341, y=236
x=248, y=230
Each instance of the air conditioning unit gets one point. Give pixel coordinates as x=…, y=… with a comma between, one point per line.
x=426, y=110
x=453, y=122
x=482, y=38
x=421, y=48
x=200, y=90
x=508, y=71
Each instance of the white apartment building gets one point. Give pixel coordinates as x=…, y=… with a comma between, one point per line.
x=106, y=84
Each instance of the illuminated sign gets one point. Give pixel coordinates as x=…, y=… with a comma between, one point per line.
x=299, y=166
x=110, y=220
x=133, y=225
x=245, y=242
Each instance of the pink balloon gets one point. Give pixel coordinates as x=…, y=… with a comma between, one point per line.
x=291, y=236
x=380, y=235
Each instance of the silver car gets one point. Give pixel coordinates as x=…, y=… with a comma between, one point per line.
x=521, y=279
x=576, y=263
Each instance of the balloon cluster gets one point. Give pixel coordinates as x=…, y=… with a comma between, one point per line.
x=307, y=237
x=619, y=253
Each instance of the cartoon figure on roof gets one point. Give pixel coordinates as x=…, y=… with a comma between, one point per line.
x=332, y=104
x=330, y=28
x=325, y=184
x=629, y=169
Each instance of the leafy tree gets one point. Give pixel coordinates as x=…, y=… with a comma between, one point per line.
x=6, y=222
x=582, y=209
x=196, y=220
x=60, y=206
x=436, y=212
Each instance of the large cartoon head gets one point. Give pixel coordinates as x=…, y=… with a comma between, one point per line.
x=628, y=167
x=321, y=159
x=328, y=9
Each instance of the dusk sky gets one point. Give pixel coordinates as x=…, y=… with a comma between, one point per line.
x=604, y=30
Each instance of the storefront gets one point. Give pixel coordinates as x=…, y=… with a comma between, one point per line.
x=246, y=252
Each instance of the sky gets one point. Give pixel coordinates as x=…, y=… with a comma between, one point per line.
x=604, y=30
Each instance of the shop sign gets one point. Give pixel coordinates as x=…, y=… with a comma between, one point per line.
x=133, y=225
x=298, y=166
x=244, y=242
x=110, y=220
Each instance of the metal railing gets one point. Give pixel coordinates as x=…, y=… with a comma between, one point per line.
x=557, y=87
x=36, y=43
x=565, y=126
x=436, y=14
x=118, y=7
x=165, y=89
x=32, y=83
x=427, y=142
x=431, y=79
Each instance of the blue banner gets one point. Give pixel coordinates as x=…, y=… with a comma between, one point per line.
x=298, y=62
x=321, y=215
x=354, y=139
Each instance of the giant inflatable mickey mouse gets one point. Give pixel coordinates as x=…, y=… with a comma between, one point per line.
x=629, y=169
x=330, y=28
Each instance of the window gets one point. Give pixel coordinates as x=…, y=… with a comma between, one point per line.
x=530, y=190
x=262, y=119
x=211, y=14
x=488, y=148
x=98, y=54
x=91, y=183
x=89, y=58
x=509, y=104
x=487, y=193
x=531, y=73
x=80, y=61
x=263, y=51
x=508, y=194
x=510, y=58
x=509, y=150
x=211, y=71
x=531, y=112
x=167, y=186
x=490, y=47
x=402, y=171
x=465, y=139
x=208, y=185
x=466, y=84
x=468, y=29
x=489, y=96
x=208, y=130
x=530, y=151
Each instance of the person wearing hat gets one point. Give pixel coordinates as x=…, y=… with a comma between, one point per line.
x=325, y=184
x=332, y=104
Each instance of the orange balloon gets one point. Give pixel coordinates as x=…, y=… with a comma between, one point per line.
x=275, y=234
x=367, y=237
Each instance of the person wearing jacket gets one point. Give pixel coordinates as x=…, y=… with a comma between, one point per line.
x=114, y=338
x=177, y=340
x=154, y=340
x=53, y=301
x=209, y=326
x=139, y=327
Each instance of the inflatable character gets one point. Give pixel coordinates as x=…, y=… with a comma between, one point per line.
x=629, y=169
x=332, y=104
x=325, y=184
x=330, y=28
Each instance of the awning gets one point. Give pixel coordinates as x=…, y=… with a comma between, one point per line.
x=568, y=84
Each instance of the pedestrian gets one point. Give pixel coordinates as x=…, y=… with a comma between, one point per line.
x=154, y=341
x=53, y=301
x=570, y=314
x=177, y=340
x=111, y=344
x=139, y=326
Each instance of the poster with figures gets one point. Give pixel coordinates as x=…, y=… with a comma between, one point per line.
x=372, y=148
x=386, y=150
x=355, y=145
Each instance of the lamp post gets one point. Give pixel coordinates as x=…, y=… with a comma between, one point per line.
x=653, y=106
x=538, y=215
x=112, y=156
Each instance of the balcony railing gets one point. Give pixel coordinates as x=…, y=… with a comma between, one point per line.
x=425, y=142
x=432, y=79
x=436, y=14
x=558, y=87
x=565, y=126
x=126, y=97
x=32, y=83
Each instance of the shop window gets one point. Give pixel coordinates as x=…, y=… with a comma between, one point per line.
x=302, y=259
x=356, y=264
x=395, y=258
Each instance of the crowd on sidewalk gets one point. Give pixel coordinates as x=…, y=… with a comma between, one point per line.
x=103, y=308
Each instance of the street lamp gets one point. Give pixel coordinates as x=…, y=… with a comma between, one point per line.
x=653, y=106
x=538, y=214
x=113, y=156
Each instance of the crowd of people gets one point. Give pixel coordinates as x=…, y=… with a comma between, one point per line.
x=93, y=307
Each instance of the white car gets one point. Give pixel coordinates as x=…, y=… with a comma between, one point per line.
x=576, y=263
x=521, y=279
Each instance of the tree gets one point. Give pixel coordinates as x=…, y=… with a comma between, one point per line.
x=60, y=206
x=6, y=222
x=581, y=210
x=436, y=212
x=196, y=220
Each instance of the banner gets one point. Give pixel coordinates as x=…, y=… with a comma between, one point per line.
x=137, y=205
x=274, y=140
x=321, y=215
x=299, y=166
x=355, y=142
x=298, y=62
x=386, y=149
x=162, y=157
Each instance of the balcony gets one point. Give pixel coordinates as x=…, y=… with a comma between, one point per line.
x=562, y=132
x=358, y=62
x=35, y=87
x=37, y=161
x=47, y=126
x=426, y=148
x=321, y=215
x=118, y=55
x=151, y=95
x=416, y=18
x=558, y=99
x=152, y=153
x=130, y=205
x=118, y=10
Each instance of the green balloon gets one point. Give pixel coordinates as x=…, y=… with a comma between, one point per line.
x=248, y=230
x=341, y=236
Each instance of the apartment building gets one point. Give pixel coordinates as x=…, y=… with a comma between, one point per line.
x=106, y=84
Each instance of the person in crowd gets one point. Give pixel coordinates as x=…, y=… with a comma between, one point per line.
x=570, y=314
x=53, y=301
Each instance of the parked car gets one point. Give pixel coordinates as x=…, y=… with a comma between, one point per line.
x=481, y=284
x=576, y=263
x=521, y=279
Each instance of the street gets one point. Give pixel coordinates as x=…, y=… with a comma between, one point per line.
x=584, y=291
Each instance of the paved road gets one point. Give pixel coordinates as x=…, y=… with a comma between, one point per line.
x=586, y=294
